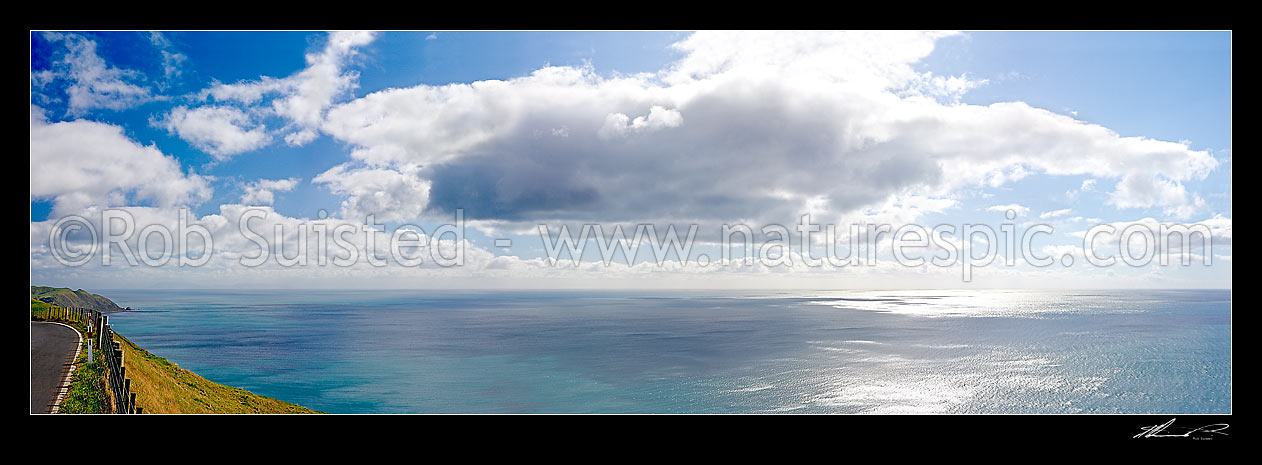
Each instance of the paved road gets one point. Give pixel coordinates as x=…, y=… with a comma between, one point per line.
x=52, y=349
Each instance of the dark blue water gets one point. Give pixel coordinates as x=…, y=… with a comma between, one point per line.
x=671, y=351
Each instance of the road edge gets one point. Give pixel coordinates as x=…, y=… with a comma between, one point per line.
x=65, y=381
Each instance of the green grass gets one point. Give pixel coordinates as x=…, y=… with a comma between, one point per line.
x=87, y=393
x=40, y=306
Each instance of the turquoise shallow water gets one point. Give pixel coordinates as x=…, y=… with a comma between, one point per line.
x=703, y=352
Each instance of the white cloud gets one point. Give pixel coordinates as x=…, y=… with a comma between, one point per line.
x=221, y=131
x=85, y=163
x=773, y=121
x=171, y=59
x=262, y=191
x=949, y=89
x=859, y=60
x=246, y=92
x=1107, y=244
x=92, y=83
x=1145, y=191
x=323, y=79
x=300, y=138
x=302, y=98
x=1055, y=213
x=389, y=193
x=620, y=125
x=1019, y=209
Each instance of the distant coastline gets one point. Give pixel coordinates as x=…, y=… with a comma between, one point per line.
x=67, y=298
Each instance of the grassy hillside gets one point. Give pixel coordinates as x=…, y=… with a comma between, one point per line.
x=164, y=387
x=65, y=297
x=39, y=306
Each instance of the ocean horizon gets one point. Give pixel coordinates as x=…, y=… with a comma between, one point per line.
x=693, y=351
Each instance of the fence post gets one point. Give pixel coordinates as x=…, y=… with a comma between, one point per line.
x=112, y=356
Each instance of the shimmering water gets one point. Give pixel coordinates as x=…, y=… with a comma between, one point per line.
x=704, y=352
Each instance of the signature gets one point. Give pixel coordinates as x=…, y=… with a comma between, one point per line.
x=1164, y=430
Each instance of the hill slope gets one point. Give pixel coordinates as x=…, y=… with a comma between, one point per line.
x=65, y=297
x=164, y=387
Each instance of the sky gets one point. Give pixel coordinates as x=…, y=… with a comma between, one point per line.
x=519, y=129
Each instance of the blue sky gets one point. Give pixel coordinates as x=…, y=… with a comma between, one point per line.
x=1165, y=86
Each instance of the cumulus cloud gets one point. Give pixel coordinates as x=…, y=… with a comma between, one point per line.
x=302, y=98
x=745, y=125
x=263, y=191
x=1156, y=190
x=83, y=163
x=322, y=80
x=389, y=193
x=861, y=60
x=620, y=125
x=246, y=92
x=221, y=131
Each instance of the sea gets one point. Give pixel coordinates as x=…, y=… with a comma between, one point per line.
x=807, y=352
